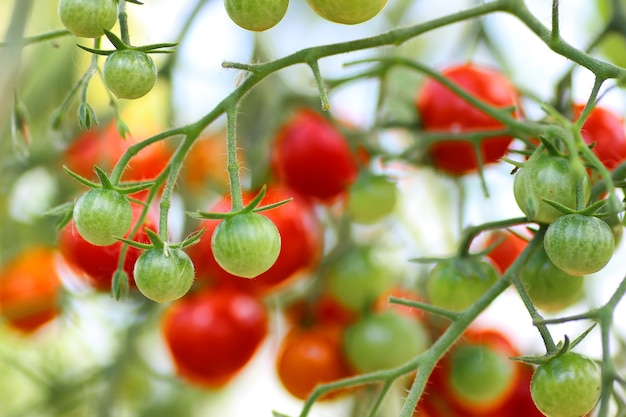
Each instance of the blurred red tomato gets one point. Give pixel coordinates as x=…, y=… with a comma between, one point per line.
x=301, y=242
x=99, y=263
x=212, y=334
x=507, y=251
x=312, y=157
x=206, y=164
x=441, y=110
x=605, y=131
x=30, y=288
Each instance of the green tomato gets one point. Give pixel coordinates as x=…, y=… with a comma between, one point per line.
x=371, y=198
x=578, y=244
x=88, y=18
x=256, y=15
x=480, y=375
x=129, y=73
x=246, y=244
x=162, y=275
x=566, y=386
x=101, y=215
x=548, y=177
x=456, y=284
x=356, y=280
x=348, y=12
x=550, y=288
x=383, y=341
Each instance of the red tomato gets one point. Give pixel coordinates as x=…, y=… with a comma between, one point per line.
x=301, y=236
x=29, y=289
x=325, y=310
x=105, y=146
x=507, y=251
x=212, y=334
x=309, y=357
x=606, y=131
x=441, y=110
x=206, y=164
x=313, y=157
x=99, y=263
x=382, y=303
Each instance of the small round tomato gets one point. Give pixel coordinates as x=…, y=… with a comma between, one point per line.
x=301, y=235
x=371, y=198
x=550, y=288
x=549, y=177
x=356, y=280
x=578, y=244
x=507, y=251
x=309, y=357
x=30, y=288
x=566, y=386
x=605, y=131
x=384, y=340
x=311, y=156
x=256, y=15
x=212, y=334
x=246, y=244
x=88, y=18
x=441, y=110
x=101, y=215
x=129, y=73
x=163, y=276
x=456, y=284
x=348, y=12
x=97, y=264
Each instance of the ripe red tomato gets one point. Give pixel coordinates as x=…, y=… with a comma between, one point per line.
x=507, y=251
x=606, y=131
x=212, y=334
x=313, y=157
x=301, y=236
x=29, y=289
x=99, y=263
x=311, y=356
x=104, y=147
x=441, y=110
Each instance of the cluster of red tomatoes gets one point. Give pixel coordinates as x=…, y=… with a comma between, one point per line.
x=340, y=324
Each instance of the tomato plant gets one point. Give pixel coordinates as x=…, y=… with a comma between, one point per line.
x=456, y=284
x=301, y=243
x=579, y=244
x=442, y=110
x=349, y=12
x=256, y=15
x=163, y=274
x=102, y=215
x=308, y=357
x=550, y=288
x=312, y=156
x=567, y=385
x=129, y=73
x=384, y=340
x=97, y=264
x=604, y=130
x=213, y=333
x=88, y=18
x=246, y=244
x=30, y=289
x=549, y=177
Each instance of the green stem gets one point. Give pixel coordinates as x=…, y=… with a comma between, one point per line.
x=233, y=164
x=47, y=36
x=122, y=17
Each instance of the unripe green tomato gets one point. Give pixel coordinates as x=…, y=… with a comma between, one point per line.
x=456, y=284
x=163, y=276
x=88, y=18
x=371, y=198
x=384, y=340
x=246, y=244
x=566, y=386
x=348, y=12
x=101, y=215
x=129, y=73
x=579, y=244
x=256, y=15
